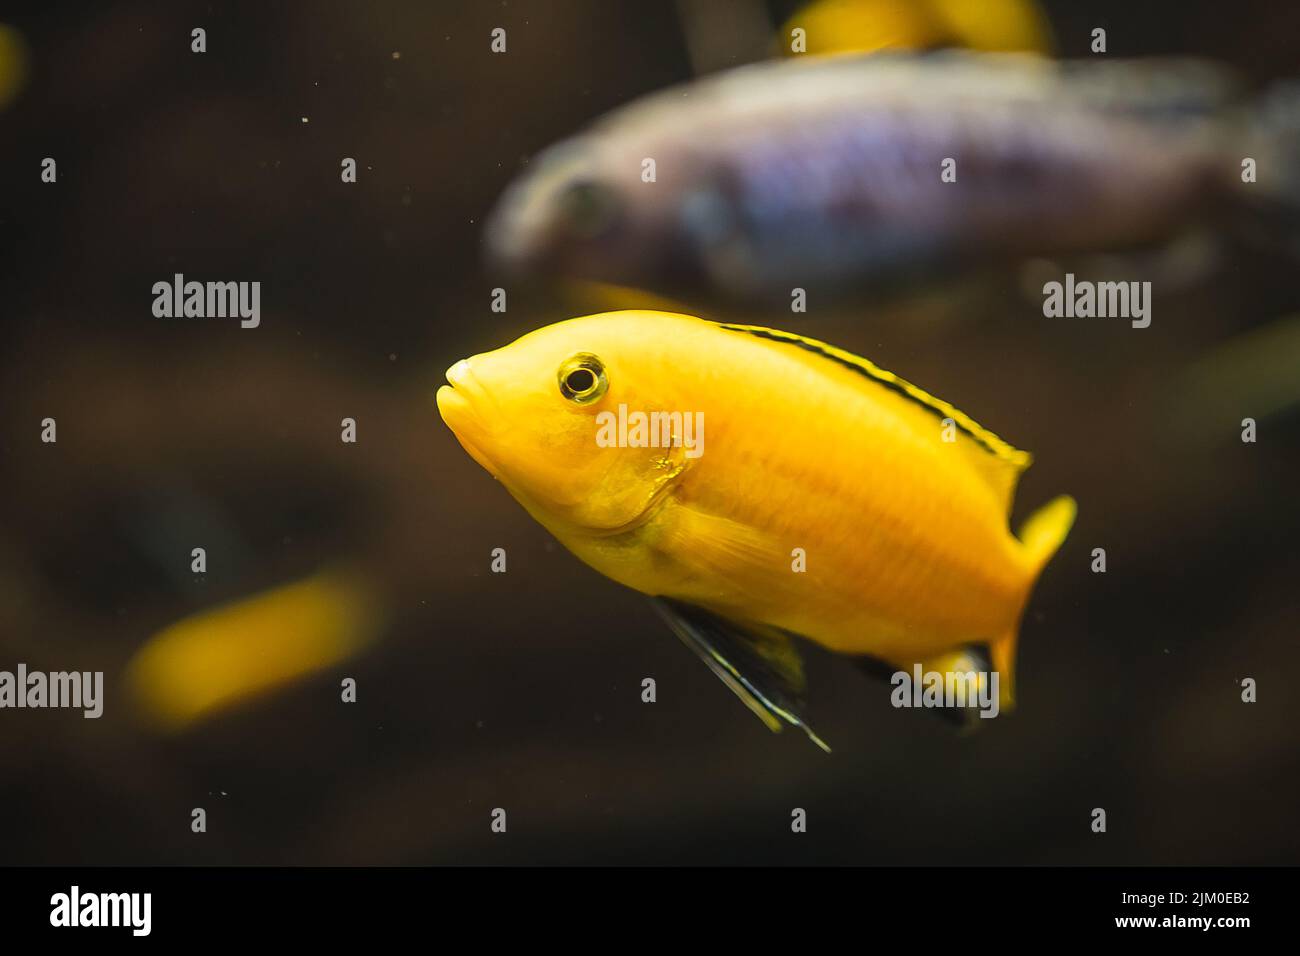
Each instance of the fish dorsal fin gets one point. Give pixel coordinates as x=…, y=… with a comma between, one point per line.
x=759, y=664
x=996, y=461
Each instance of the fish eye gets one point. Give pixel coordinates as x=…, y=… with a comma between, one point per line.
x=582, y=379
x=588, y=208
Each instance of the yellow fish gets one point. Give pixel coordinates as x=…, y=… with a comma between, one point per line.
x=852, y=26
x=221, y=656
x=13, y=64
x=761, y=485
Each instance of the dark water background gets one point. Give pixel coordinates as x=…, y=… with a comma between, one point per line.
x=522, y=690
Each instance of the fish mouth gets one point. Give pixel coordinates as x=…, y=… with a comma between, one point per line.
x=459, y=404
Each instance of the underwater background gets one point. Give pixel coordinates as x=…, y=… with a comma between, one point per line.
x=522, y=690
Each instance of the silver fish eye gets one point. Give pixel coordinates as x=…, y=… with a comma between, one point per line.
x=582, y=378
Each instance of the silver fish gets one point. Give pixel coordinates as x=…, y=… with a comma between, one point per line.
x=828, y=173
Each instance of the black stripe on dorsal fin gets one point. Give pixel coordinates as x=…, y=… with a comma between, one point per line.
x=1000, y=449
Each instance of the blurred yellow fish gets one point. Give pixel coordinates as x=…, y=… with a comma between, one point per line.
x=762, y=485
x=13, y=64
x=861, y=26
x=213, y=659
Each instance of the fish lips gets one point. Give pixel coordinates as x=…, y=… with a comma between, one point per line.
x=460, y=405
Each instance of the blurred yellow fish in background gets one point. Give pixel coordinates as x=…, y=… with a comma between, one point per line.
x=218, y=657
x=860, y=26
x=783, y=487
x=13, y=64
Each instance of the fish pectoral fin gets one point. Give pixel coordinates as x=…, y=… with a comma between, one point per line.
x=717, y=548
x=759, y=664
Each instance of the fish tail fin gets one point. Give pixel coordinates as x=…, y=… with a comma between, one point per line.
x=1040, y=536
x=1045, y=530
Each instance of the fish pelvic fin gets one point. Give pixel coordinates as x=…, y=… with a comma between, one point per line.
x=1041, y=536
x=759, y=664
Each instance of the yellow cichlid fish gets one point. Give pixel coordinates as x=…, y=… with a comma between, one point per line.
x=761, y=485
